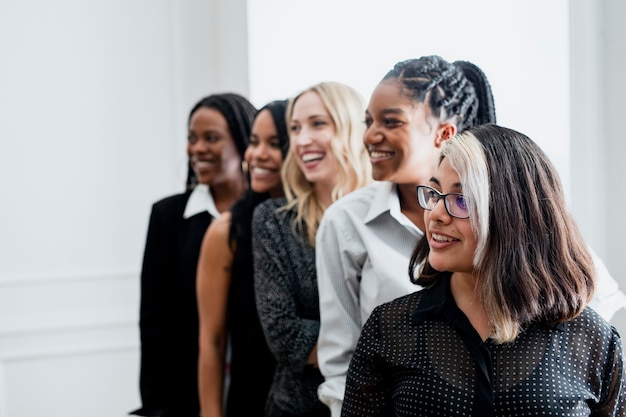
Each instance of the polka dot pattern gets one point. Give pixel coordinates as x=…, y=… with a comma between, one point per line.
x=419, y=356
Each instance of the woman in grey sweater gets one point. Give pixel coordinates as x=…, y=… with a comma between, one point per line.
x=326, y=160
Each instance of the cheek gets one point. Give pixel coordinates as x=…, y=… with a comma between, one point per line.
x=329, y=134
x=228, y=151
x=470, y=239
x=277, y=156
x=248, y=154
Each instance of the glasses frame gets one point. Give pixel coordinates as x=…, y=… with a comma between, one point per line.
x=440, y=197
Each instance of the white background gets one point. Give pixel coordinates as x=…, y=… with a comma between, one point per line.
x=94, y=96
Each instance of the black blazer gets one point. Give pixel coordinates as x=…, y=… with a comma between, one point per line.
x=169, y=313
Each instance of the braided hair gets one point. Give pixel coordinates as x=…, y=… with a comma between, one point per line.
x=486, y=107
x=237, y=111
x=456, y=91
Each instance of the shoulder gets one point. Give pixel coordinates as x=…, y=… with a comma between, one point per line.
x=215, y=243
x=589, y=328
x=356, y=204
x=401, y=310
x=269, y=209
x=361, y=197
x=220, y=227
x=172, y=202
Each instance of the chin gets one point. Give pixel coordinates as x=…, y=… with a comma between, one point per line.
x=380, y=176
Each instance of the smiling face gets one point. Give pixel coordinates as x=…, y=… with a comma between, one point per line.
x=311, y=131
x=211, y=148
x=402, y=137
x=264, y=156
x=451, y=240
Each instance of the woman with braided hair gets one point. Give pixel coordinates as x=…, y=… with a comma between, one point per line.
x=218, y=130
x=364, y=240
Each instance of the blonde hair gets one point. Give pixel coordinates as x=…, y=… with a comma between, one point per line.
x=346, y=108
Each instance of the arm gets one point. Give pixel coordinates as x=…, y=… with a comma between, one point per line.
x=607, y=298
x=339, y=259
x=153, y=322
x=278, y=281
x=213, y=281
x=367, y=392
x=613, y=396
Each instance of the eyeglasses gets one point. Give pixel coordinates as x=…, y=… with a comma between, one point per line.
x=455, y=203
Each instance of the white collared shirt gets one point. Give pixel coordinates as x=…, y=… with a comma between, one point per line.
x=363, y=247
x=200, y=200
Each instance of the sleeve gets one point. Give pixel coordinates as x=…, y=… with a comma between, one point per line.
x=607, y=298
x=367, y=392
x=290, y=337
x=613, y=394
x=152, y=320
x=339, y=261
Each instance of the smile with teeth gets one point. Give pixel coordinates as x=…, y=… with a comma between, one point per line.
x=380, y=154
x=202, y=164
x=312, y=157
x=441, y=238
x=261, y=170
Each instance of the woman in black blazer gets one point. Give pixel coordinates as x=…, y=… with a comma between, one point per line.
x=219, y=126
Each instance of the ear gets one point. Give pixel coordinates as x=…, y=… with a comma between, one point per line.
x=445, y=131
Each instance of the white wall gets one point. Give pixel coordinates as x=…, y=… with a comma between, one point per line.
x=94, y=96
x=522, y=46
x=598, y=65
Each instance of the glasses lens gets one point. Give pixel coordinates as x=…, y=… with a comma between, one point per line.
x=457, y=205
x=427, y=197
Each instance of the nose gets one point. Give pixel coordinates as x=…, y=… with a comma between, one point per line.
x=439, y=212
x=197, y=146
x=372, y=135
x=302, y=137
x=260, y=151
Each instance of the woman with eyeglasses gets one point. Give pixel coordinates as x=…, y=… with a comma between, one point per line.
x=501, y=326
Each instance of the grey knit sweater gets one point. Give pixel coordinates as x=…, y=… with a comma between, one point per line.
x=288, y=305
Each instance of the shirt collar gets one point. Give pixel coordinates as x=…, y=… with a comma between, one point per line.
x=433, y=304
x=200, y=200
x=384, y=190
x=386, y=199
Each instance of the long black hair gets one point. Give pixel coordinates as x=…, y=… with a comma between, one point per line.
x=240, y=235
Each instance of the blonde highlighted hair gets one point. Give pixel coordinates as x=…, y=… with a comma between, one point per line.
x=531, y=260
x=346, y=109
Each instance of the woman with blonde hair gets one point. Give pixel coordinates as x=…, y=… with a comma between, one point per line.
x=326, y=160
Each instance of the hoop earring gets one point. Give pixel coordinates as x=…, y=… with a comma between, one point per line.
x=244, y=166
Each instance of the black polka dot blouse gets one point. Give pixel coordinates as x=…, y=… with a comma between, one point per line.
x=419, y=356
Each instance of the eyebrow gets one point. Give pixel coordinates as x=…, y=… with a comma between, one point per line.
x=311, y=117
x=387, y=111
x=393, y=111
x=271, y=137
x=455, y=185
